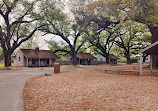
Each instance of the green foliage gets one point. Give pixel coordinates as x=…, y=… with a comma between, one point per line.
x=130, y=108
x=2, y=64
x=117, y=51
x=134, y=60
x=32, y=43
x=144, y=11
x=133, y=33
x=54, y=46
x=21, y=19
x=132, y=38
x=1, y=53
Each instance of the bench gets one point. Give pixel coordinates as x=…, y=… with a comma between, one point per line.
x=124, y=72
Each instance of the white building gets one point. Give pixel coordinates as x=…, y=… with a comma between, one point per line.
x=82, y=58
x=112, y=59
x=35, y=57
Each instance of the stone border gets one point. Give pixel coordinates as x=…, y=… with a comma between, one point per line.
x=123, y=72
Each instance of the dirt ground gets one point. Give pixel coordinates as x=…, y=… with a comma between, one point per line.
x=92, y=90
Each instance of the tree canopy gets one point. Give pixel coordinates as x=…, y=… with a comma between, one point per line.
x=20, y=19
x=101, y=23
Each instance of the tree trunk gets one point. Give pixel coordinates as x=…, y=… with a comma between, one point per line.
x=7, y=59
x=144, y=57
x=7, y=54
x=74, y=60
x=128, y=58
x=154, y=32
x=107, y=59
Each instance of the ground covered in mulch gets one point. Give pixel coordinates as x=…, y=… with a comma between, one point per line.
x=92, y=90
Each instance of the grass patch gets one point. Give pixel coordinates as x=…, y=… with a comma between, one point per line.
x=2, y=64
x=130, y=108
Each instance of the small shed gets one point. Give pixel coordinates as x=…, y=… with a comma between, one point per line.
x=113, y=59
x=150, y=50
x=35, y=57
x=84, y=58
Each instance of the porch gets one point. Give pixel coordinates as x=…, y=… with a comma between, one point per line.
x=84, y=61
x=33, y=62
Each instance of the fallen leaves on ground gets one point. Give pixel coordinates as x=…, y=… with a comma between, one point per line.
x=92, y=90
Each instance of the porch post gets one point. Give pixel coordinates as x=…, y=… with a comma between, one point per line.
x=50, y=62
x=151, y=64
x=27, y=62
x=141, y=59
x=91, y=61
x=39, y=62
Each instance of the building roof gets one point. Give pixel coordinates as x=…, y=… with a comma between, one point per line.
x=82, y=55
x=111, y=56
x=150, y=50
x=39, y=54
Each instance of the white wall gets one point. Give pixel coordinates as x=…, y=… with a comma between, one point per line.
x=100, y=58
x=19, y=59
x=68, y=58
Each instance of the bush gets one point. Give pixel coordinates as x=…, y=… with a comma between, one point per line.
x=134, y=60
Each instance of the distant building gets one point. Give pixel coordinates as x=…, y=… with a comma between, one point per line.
x=112, y=59
x=35, y=57
x=88, y=59
x=147, y=59
x=82, y=58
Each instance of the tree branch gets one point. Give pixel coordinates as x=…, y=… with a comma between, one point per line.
x=1, y=5
x=16, y=22
x=2, y=13
x=25, y=39
x=80, y=46
x=61, y=50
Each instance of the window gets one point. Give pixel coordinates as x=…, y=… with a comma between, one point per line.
x=47, y=61
x=19, y=58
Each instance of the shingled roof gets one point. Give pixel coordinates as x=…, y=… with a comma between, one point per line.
x=111, y=56
x=82, y=55
x=150, y=50
x=39, y=54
